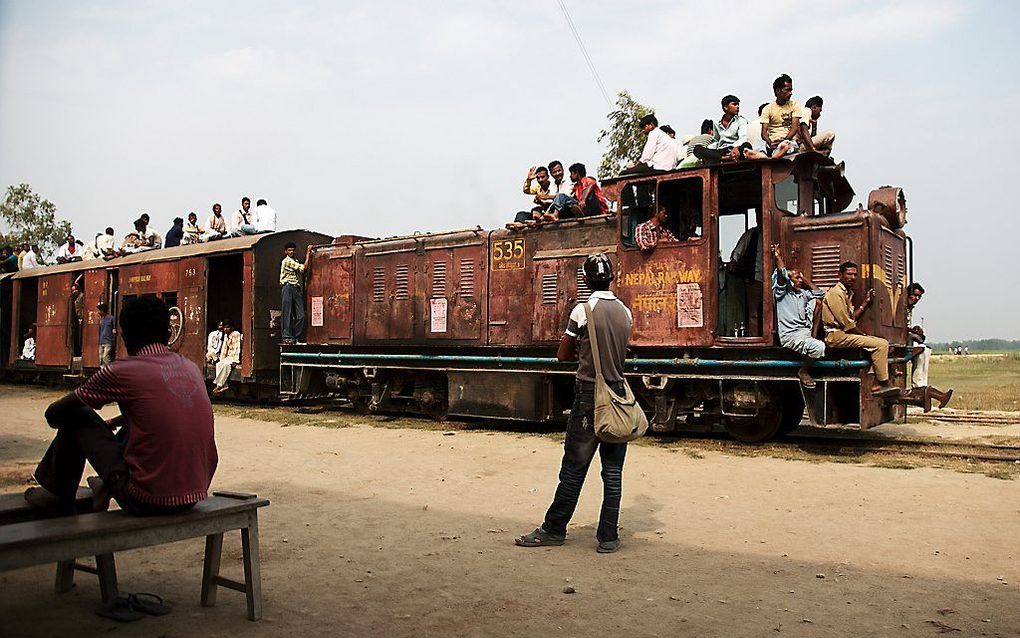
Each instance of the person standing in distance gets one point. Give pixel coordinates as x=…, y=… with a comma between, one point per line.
x=614, y=322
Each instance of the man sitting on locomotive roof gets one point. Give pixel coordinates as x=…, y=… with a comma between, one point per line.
x=780, y=121
x=649, y=234
x=659, y=152
x=164, y=456
x=539, y=188
x=729, y=135
x=216, y=226
x=921, y=393
x=69, y=252
x=230, y=356
x=811, y=139
x=796, y=300
x=839, y=316
x=588, y=197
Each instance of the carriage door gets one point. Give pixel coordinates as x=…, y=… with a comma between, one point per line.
x=53, y=338
x=188, y=327
x=666, y=287
x=95, y=291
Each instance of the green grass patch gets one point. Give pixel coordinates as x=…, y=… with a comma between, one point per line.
x=979, y=382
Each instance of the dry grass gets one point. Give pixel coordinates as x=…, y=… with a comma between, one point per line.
x=979, y=382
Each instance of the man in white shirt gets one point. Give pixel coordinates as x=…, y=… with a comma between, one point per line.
x=214, y=344
x=106, y=244
x=659, y=153
x=265, y=217
x=242, y=222
x=70, y=251
x=30, y=258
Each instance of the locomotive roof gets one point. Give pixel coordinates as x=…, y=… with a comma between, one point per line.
x=231, y=244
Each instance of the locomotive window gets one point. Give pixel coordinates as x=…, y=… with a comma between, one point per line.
x=637, y=200
x=683, y=199
x=786, y=195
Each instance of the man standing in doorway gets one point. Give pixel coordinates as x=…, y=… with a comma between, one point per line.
x=107, y=332
x=614, y=321
x=292, y=319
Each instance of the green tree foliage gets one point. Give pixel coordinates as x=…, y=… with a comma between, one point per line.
x=30, y=218
x=624, y=138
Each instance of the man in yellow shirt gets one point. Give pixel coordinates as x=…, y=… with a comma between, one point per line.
x=839, y=316
x=292, y=277
x=780, y=121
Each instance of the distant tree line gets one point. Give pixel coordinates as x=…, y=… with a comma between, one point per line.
x=979, y=345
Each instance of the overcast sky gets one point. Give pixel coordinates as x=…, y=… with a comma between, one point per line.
x=389, y=117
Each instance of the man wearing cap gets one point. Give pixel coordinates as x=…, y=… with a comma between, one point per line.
x=614, y=321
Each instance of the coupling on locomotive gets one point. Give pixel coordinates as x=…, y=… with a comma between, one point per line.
x=466, y=323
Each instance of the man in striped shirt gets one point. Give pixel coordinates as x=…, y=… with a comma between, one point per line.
x=163, y=458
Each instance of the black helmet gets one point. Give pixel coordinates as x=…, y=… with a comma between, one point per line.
x=598, y=268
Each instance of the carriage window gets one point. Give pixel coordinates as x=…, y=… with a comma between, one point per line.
x=636, y=202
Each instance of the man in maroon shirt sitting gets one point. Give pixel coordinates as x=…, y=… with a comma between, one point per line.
x=164, y=456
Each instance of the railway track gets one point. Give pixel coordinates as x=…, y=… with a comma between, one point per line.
x=860, y=444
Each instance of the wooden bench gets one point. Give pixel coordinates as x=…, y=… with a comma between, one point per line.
x=63, y=540
x=15, y=509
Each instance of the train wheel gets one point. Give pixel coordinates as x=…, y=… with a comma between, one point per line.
x=764, y=426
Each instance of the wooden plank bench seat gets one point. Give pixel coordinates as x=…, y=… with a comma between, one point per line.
x=15, y=509
x=62, y=540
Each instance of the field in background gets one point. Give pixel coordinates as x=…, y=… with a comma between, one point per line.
x=980, y=381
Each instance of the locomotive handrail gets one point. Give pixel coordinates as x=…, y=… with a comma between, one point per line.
x=838, y=364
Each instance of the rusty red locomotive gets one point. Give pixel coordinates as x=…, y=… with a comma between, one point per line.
x=466, y=322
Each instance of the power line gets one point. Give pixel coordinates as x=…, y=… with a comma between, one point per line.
x=584, y=52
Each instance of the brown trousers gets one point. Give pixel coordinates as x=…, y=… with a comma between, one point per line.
x=877, y=347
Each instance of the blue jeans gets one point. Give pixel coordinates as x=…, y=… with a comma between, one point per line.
x=578, y=451
x=292, y=316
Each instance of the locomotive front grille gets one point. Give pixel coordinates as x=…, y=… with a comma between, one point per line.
x=467, y=278
x=379, y=284
x=825, y=265
x=439, y=279
x=583, y=291
x=403, y=291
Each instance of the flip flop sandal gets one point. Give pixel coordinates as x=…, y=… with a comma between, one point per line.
x=119, y=610
x=539, y=538
x=149, y=604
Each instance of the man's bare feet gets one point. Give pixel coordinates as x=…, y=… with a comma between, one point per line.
x=100, y=495
x=41, y=498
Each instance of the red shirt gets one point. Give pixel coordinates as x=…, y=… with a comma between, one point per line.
x=579, y=189
x=171, y=447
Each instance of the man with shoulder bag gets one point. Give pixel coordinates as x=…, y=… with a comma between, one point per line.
x=604, y=415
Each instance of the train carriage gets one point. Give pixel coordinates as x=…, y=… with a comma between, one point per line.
x=467, y=322
x=235, y=279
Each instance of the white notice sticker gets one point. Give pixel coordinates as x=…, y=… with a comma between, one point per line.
x=317, y=318
x=438, y=315
x=688, y=306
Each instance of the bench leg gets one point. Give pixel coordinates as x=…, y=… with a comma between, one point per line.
x=252, y=567
x=211, y=568
x=106, y=569
x=65, y=576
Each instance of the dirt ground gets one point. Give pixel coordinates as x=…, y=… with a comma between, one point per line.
x=404, y=532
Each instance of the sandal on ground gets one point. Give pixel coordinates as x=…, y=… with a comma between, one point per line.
x=148, y=604
x=120, y=610
x=539, y=538
x=608, y=547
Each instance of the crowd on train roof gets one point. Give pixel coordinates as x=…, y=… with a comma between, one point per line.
x=783, y=127
x=244, y=221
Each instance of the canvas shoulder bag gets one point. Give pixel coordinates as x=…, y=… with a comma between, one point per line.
x=618, y=419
